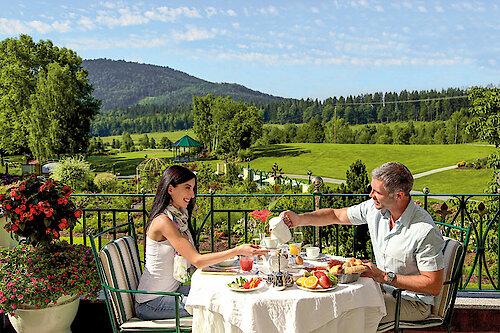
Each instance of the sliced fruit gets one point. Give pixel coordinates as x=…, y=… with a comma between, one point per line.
x=301, y=280
x=332, y=278
x=311, y=282
x=319, y=274
x=325, y=282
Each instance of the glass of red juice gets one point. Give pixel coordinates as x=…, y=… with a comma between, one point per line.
x=246, y=263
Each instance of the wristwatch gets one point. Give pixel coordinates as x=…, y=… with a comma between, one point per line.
x=390, y=277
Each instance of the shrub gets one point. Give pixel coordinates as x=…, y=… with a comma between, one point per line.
x=75, y=172
x=105, y=181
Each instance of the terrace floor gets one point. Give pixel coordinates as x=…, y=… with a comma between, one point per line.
x=474, y=312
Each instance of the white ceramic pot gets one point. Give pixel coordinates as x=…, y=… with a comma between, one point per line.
x=5, y=239
x=53, y=319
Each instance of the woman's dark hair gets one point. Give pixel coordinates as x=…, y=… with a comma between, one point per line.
x=174, y=175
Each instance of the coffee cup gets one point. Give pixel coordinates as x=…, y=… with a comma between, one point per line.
x=271, y=243
x=312, y=252
x=279, y=229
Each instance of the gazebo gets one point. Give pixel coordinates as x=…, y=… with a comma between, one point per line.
x=185, y=142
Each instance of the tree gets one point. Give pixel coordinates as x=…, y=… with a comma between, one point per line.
x=203, y=119
x=485, y=111
x=224, y=125
x=127, y=143
x=165, y=142
x=144, y=141
x=46, y=102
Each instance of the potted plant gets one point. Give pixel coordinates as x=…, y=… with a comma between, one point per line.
x=43, y=275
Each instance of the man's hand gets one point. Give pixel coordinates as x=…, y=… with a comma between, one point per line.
x=291, y=219
x=374, y=273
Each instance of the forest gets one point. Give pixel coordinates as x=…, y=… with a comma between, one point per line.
x=426, y=105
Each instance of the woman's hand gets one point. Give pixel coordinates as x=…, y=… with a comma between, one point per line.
x=250, y=250
x=291, y=219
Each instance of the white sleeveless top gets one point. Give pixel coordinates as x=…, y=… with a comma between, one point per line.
x=158, y=270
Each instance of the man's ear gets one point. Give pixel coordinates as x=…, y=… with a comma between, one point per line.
x=169, y=189
x=399, y=195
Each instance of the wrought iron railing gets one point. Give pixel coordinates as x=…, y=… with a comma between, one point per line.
x=482, y=211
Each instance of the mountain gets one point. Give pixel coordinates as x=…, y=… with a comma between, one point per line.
x=120, y=83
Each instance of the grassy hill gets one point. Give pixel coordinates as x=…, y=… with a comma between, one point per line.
x=120, y=83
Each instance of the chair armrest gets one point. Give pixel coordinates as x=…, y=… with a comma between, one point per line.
x=129, y=291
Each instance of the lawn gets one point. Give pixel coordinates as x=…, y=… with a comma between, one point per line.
x=332, y=160
x=455, y=181
x=125, y=163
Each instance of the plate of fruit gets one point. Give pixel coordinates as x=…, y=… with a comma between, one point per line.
x=243, y=284
x=317, y=281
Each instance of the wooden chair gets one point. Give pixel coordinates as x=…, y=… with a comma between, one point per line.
x=442, y=310
x=119, y=270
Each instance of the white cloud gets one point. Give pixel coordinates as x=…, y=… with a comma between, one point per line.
x=314, y=10
x=422, y=9
x=86, y=23
x=61, y=26
x=379, y=8
x=13, y=27
x=193, y=33
x=439, y=9
x=127, y=42
x=318, y=22
x=242, y=46
x=460, y=27
x=41, y=27
x=125, y=18
x=269, y=10
x=236, y=25
x=210, y=11
x=167, y=14
x=231, y=12
x=109, y=5
x=406, y=29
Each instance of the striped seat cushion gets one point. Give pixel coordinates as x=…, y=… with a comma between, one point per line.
x=135, y=323
x=122, y=271
x=430, y=321
x=452, y=253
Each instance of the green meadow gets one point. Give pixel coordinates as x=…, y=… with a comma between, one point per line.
x=332, y=160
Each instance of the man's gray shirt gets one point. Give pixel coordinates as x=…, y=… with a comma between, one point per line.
x=414, y=244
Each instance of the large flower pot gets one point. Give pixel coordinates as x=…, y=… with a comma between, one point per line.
x=56, y=318
x=5, y=238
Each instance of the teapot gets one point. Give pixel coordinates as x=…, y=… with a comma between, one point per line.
x=275, y=262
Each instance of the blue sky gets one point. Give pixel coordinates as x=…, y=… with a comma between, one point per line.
x=288, y=48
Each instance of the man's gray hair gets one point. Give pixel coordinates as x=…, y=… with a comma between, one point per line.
x=395, y=176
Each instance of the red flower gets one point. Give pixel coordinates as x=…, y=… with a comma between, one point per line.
x=261, y=214
x=78, y=213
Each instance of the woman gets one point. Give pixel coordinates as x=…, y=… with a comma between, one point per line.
x=169, y=234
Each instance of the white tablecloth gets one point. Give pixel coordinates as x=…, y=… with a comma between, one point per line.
x=354, y=307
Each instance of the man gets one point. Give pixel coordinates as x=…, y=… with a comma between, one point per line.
x=406, y=242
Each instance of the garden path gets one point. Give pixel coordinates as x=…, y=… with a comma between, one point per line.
x=341, y=181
